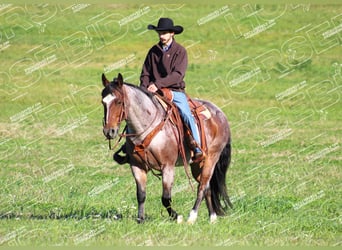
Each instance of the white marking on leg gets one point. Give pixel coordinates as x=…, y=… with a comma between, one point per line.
x=213, y=218
x=192, y=217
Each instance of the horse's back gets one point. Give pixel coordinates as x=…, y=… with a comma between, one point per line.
x=217, y=127
x=216, y=113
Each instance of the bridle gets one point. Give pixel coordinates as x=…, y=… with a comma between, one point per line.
x=122, y=116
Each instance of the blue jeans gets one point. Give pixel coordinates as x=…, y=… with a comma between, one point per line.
x=179, y=98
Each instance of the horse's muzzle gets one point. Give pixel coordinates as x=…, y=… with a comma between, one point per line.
x=110, y=133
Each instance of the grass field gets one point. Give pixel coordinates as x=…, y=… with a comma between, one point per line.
x=276, y=72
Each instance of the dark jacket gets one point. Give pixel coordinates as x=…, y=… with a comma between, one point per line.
x=165, y=69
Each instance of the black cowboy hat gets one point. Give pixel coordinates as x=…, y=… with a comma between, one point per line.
x=166, y=24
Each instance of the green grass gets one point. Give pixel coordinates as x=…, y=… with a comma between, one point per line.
x=59, y=185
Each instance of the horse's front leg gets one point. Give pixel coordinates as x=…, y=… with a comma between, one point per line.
x=140, y=176
x=168, y=178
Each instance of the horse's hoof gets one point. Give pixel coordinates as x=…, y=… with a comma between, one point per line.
x=192, y=217
x=179, y=219
x=190, y=222
x=140, y=220
x=213, y=218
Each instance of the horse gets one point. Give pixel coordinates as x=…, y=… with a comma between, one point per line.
x=143, y=113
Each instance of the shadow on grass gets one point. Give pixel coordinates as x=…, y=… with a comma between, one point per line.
x=81, y=214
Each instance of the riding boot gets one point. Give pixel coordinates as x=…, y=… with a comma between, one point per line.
x=121, y=159
x=198, y=154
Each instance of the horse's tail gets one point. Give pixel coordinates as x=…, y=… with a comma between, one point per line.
x=219, y=193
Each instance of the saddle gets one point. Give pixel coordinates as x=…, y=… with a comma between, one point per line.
x=199, y=111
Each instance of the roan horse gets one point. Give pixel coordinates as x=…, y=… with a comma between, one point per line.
x=142, y=113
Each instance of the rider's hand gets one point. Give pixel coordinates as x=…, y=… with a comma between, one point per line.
x=152, y=88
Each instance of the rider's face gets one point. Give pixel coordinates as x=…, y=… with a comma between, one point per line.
x=165, y=37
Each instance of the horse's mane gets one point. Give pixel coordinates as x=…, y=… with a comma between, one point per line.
x=147, y=93
x=112, y=86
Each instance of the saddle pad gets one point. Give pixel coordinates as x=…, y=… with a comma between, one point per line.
x=201, y=110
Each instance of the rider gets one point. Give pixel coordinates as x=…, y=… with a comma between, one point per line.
x=164, y=67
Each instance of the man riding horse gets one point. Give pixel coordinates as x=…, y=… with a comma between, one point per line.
x=164, y=69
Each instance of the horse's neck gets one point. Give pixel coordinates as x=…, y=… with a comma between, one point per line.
x=142, y=113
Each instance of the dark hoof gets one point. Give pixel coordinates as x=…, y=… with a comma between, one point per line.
x=140, y=221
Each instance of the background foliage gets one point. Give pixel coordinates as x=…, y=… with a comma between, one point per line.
x=275, y=70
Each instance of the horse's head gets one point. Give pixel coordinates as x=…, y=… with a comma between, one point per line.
x=113, y=104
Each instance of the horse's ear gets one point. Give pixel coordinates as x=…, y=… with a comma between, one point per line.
x=120, y=80
x=105, y=81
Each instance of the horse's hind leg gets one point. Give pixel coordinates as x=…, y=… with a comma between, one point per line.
x=168, y=177
x=209, y=202
x=140, y=176
x=206, y=193
x=203, y=191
